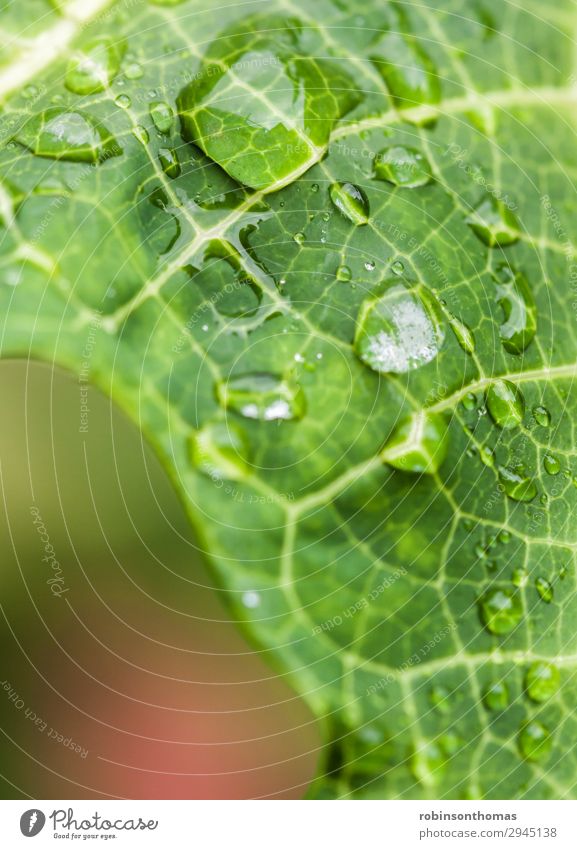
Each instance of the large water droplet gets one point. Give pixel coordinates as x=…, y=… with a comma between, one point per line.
x=403, y=166
x=494, y=223
x=542, y=681
x=535, y=741
x=515, y=485
x=399, y=331
x=551, y=464
x=219, y=450
x=501, y=609
x=93, y=68
x=260, y=106
x=162, y=116
x=262, y=396
x=496, y=696
x=411, y=77
x=505, y=403
x=419, y=443
x=351, y=201
x=519, y=310
x=62, y=134
x=545, y=589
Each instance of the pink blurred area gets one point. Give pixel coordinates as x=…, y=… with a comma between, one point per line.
x=133, y=683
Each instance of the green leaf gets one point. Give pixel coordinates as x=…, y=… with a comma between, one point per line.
x=325, y=258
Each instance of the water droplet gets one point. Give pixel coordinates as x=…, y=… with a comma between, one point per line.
x=519, y=577
x=439, y=698
x=535, y=741
x=469, y=402
x=551, y=464
x=515, y=485
x=496, y=696
x=403, y=166
x=162, y=116
x=399, y=331
x=30, y=92
x=426, y=763
x=504, y=537
x=251, y=600
x=542, y=416
x=61, y=134
x=351, y=201
x=92, y=68
x=133, y=71
x=505, y=404
x=262, y=396
x=419, y=443
x=219, y=450
x=168, y=158
x=545, y=589
x=141, y=134
x=500, y=610
x=299, y=238
x=463, y=335
x=487, y=456
x=123, y=101
x=542, y=681
x=262, y=108
x=411, y=77
x=369, y=265
x=494, y=223
x=398, y=268
x=519, y=310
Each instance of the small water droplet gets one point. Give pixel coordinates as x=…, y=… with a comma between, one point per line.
x=535, y=741
x=93, y=68
x=519, y=577
x=133, y=71
x=403, y=166
x=162, y=116
x=469, y=402
x=123, y=101
x=251, y=600
x=168, y=158
x=516, y=485
x=542, y=416
x=542, y=681
x=351, y=201
x=487, y=456
x=551, y=464
x=496, y=696
x=141, y=134
x=504, y=537
x=398, y=268
x=370, y=265
x=219, y=450
x=262, y=396
x=519, y=309
x=494, y=223
x=299, y=238
x=398, y=331
x=463, y=335
x=545, y=589
x=500, y=610
x=419, y=443
x=505, y=403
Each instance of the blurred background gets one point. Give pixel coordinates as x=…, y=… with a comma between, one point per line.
x=121, y=674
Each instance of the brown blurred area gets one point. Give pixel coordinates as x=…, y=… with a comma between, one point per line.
x=122, y=675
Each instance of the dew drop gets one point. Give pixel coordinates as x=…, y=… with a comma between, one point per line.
x=398, y=331
x=535, y=741
x=505, y=403
x=299, y=238
x=519, y=577
x=93, y=68
x=251, y=600
x=463, y=335
x=516, y=485
x=219, y=451
x=504, y=537
x=496, y=696
x=542, y=416
x=133, y=71
x=519, y=310
x=494, y=223
x=59, y=133
x=141, y=134
x=168, y=158
x=419, y=443
x=542, y=681
x=351, y=201
x=162, y=116
x=123, y=101
x=551, y=464
x=545, y=589
x=262, y=396
x=403, y=166
x=500, y=610
x=369, y=265
x=487, y=457
x=469, y=402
